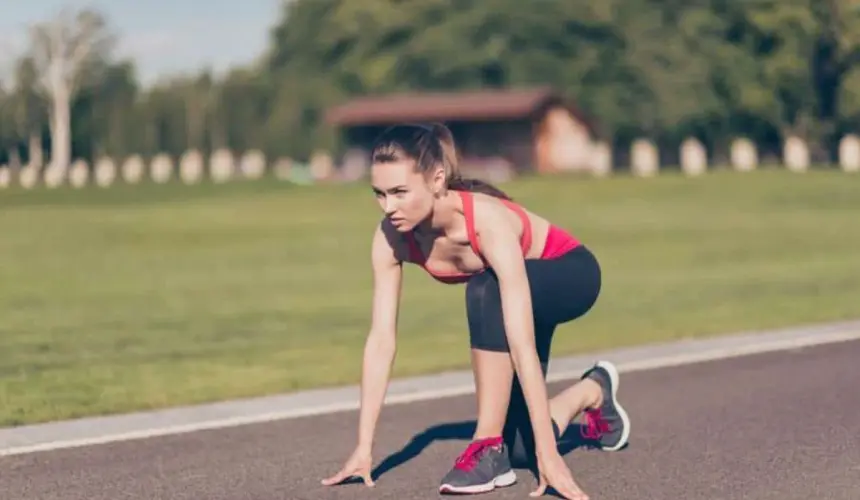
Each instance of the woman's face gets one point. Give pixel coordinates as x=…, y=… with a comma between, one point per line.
x=404, y=194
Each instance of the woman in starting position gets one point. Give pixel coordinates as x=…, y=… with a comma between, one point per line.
x=523, y=275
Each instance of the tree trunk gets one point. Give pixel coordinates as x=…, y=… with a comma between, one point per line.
x=61, y=142
x=14, y=159
x=35, y=150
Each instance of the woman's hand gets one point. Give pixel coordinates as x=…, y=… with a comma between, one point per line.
x=554, y=472
x=358, y=465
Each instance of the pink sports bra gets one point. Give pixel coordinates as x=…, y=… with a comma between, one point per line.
x=558, y=241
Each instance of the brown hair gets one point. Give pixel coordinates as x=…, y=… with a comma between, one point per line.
x=429, y=145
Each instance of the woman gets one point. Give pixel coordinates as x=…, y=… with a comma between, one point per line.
x=523, y=275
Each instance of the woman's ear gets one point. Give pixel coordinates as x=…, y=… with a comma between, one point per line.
x=438, y=182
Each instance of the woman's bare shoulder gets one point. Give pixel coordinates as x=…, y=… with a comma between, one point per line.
x=491, y=210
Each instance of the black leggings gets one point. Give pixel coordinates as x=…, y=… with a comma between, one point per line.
x=562, y=289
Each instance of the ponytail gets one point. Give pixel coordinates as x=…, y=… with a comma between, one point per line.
x=451, y=163
x=477, y=186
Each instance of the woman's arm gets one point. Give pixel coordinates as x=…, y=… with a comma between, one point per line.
x=380, y=346
x=501, y=248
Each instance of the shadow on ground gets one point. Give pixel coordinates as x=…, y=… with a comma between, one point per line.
x=463, y=431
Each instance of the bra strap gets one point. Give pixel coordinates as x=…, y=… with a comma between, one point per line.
x=469, y=214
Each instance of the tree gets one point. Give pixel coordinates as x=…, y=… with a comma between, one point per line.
x=62, y=49
x=8, y=144
x=28, y=109
x=103, y=114
x=804, y=54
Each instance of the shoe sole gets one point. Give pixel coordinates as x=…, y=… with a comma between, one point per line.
x=615, y=380
x=500, y=481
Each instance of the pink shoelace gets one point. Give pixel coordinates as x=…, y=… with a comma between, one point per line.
x=595, y=425
x=470, y=457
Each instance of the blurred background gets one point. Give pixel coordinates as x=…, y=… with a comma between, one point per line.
x=182, y=217
x=579, y=84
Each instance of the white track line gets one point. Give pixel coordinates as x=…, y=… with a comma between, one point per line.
x=96, y=431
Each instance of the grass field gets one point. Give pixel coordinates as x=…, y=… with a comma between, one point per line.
x=136, y=298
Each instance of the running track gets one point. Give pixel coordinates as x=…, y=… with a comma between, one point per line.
x=780, y=425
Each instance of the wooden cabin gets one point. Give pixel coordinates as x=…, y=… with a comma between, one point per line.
x=533, y=129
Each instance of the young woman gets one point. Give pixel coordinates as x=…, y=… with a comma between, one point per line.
x=523, y=275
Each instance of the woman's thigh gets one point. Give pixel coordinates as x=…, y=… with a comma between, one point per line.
x=561, y=289
x=565, y=288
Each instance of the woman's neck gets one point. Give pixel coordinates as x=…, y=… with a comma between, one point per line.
x=444, y=217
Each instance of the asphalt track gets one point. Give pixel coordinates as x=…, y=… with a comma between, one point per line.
x=782, y=425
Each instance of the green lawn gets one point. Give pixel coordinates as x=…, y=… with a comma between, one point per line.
x=136, y=298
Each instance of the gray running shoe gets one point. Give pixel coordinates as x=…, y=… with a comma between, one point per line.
x=482, y=467
x=608, y=425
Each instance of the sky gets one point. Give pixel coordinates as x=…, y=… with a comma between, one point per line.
x=163, y=37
